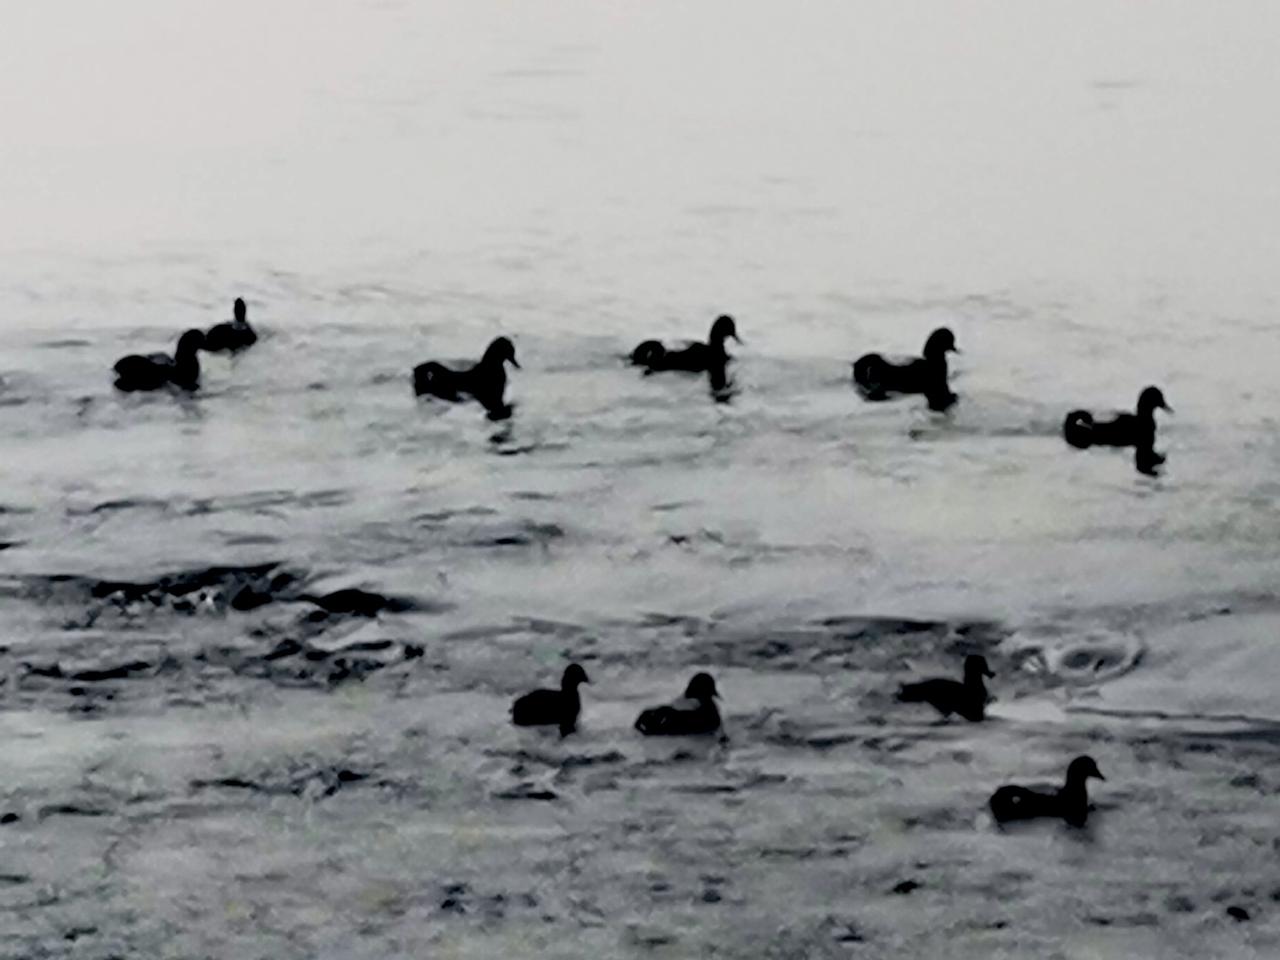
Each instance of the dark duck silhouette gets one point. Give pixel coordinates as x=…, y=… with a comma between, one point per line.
x=486, y=381
x=1070, y=803
x=233, y=336
x=878, y=378
x=1138, y=430
x=694, y=358
x=969, y=699
x=156, y=370
x=552, y=707
x=695, y=713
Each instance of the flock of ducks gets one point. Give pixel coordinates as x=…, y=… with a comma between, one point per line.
x=875, y=377
x=696, y=714
x=154, y=371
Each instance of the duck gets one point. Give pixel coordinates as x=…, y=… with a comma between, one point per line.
x=969, y=699
x=877, y=378
x=552, y=707
x=234, y=336
x=1082, y=430
x=695, y=713
x=696, y=357
x=486, y=381
x=156, y=370
x=1070, y=803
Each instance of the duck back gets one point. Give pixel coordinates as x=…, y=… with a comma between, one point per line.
x=230, y=337
x=546, y=708
x=673, y=721
x=947, y=697
x=137, y=372
x=877, y=378
x=1010, y=803
x=436, y=380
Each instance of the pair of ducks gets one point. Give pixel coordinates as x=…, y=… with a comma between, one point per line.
x=1011, y=802
x=877, y=378
x=696, y=713
x=486, y=381
x=156, y=370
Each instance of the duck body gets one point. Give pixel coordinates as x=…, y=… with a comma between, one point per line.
x=152, y=371
x=558, y=708
x=232, y=337
x=1138, y=430
x=878, y=379
x=1081, y=429
x=1070, y=803
x=693, y=714
x=485, y=381
x=695, y=357
x=968, y=699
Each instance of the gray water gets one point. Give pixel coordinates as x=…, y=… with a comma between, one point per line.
x=1085, y=193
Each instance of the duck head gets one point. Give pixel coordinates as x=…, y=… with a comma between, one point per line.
x=724, y=329
x=1081, y=769
x=499, y=352
x=701, y=688
x=1151, y=399
x=189, y=343
x=240, y=310
x=573, y=676
x=975, y=667
x=941, y=342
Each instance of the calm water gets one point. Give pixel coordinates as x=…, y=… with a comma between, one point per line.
x=1086, y=194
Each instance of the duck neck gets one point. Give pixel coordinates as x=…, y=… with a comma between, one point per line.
x=186, y=366
x=1074, y=793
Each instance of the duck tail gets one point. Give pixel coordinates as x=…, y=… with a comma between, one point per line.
x=652, y=721
x=868, y=374
x=426, y=378
x=1077, y=429
x=647, y=354
x=911, y=693
x=1004, y=805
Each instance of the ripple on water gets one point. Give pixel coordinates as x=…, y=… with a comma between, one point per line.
x=1078, y=659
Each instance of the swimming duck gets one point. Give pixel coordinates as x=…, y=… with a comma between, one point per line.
x=486, y=381
x=695, y=713
x=1138, y=430
x=969, y=699
x=552, y=707
x=877, y=377
x=695, y=358
x=1071, y=802
x=155, y=370
x=233, y=336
